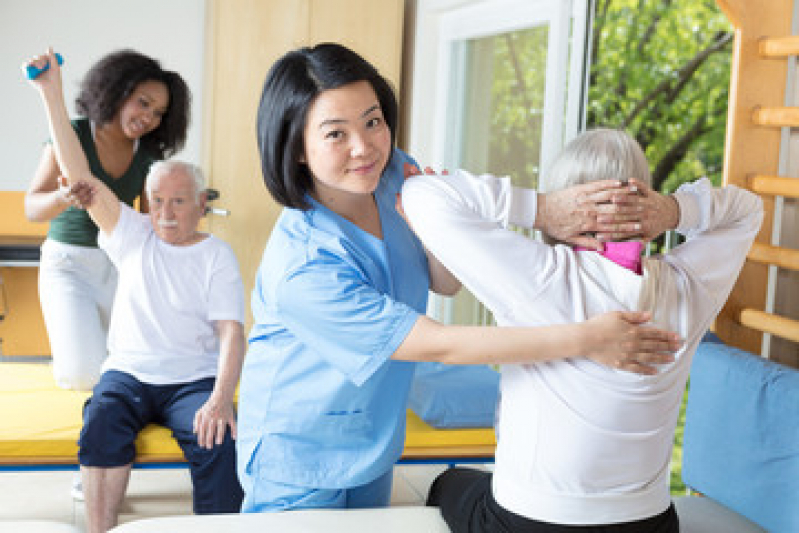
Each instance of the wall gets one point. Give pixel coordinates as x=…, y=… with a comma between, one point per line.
x=83, y=31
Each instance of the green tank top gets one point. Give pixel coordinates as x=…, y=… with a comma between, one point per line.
x=74, y=226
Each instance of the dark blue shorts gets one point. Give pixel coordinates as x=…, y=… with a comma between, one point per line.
x=121, y=406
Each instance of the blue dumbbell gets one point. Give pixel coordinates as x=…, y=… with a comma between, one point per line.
x=32, y=72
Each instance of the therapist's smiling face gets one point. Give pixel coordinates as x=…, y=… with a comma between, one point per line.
x=347, y=142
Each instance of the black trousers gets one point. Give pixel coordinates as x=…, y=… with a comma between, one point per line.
x=468, y=506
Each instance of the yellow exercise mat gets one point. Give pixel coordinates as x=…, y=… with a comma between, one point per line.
x=41, y=424
x=39, y=420
x=423, y=440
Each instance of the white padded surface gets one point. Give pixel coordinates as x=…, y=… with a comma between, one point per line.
x=36, y=526
x=387, y=520
x=705, y=515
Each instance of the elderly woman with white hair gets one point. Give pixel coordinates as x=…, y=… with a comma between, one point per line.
x=581, y=446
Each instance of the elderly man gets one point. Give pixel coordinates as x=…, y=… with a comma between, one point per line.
x=176, y=340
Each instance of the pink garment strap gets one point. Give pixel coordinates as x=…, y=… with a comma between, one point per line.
x=626, y=254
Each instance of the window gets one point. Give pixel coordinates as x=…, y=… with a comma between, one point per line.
x=498, y=88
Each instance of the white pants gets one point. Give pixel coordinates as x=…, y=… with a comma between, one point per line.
x=76, y=290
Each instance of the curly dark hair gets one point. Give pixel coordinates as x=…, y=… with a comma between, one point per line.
x=109, y=83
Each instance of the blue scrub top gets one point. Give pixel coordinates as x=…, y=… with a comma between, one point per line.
x=321, y=404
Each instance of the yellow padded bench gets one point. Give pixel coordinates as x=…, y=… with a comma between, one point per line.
x=41, y=424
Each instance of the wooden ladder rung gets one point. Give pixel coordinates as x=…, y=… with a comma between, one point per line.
x=779, y=47
x=770, y=323
x=774, y=255
x=776, y=116
x=775, y=185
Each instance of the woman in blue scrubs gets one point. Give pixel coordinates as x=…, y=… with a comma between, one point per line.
x=341, y=293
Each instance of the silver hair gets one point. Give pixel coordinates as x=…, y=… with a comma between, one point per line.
x=595, y=155
x=162, y=168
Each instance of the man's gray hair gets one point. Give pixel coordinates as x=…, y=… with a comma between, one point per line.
x=161, y=168
x=599, y=154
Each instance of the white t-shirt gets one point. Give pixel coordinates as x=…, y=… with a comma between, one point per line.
x=162, y=324
x=579, y=442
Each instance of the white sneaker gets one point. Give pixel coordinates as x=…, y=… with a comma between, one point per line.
x=77, y=488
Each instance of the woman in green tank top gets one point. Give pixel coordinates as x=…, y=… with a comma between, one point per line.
x=133, y=112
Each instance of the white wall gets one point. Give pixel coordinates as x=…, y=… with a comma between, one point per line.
x=83, y=31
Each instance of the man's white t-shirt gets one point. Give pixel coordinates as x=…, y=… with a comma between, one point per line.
x=162, y=325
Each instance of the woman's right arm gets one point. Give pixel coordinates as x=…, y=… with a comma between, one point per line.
x=617, y=339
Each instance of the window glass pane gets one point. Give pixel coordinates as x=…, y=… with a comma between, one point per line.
x=502, y=118
x=503, y=104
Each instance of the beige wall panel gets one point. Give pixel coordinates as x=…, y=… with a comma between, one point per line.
x=245, y=38
x=373, y=28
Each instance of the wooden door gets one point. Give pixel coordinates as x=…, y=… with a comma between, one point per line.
x=244, y=38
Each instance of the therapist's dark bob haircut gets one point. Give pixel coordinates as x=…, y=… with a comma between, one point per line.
x=291, y=86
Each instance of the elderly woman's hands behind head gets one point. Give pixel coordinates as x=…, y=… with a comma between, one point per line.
x=654, y=213
x=584, y=215
x=587, y=215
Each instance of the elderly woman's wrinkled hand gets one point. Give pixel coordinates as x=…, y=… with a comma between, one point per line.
x=658, y=212
x=583, y=214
